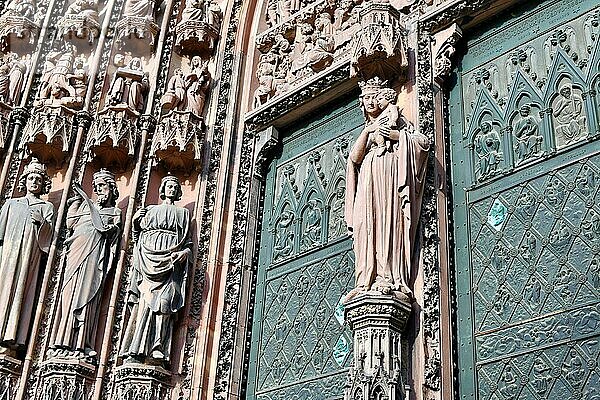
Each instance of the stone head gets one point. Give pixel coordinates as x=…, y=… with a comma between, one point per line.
x=486, y=126
x=170, y=188
x=565, y=90
x=385, y=96
x=34, y=179
x=525, y=110
x=105, y=188
x=368, y=96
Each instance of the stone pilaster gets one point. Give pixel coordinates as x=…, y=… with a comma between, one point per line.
x=377, y=321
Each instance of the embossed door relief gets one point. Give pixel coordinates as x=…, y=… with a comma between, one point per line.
x=525, y=153
x=301, y=348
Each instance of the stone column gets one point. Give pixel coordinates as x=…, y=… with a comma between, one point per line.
x=377, y=321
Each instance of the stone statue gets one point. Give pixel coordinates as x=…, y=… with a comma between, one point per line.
x=568, y=111
x=202, y=10
x=139, y=8
x=129, y=86
x=12, y=72
x=188, y=92
x=487, y=146
x=91, y=246
x=60, y=77
x=25, y=234
x=526, y=131
x=384, y=179
x=161, y=259
x=84, y=8
x=265, y=74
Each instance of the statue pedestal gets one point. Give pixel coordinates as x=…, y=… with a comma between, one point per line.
x=377, y=321
x=140, y=381
x=10, y=371
x=68, y=379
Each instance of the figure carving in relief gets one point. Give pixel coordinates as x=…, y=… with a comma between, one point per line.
x=12, y=72
x=568, y=112
x=21, y=8
x=91, y=245
x=265, y=74
x=337, y=223
x=188, y=92
x=384, y=187
x=161, y=259
x=129, y=85
x=84, y=8
x=312, y=227
x=25, y=234
x=283, y=245
x=315, y=45
x=525, y=129
x=60, y=78
x=573, y=369
x=541, y=376
x=487, y=146
x=508, y=384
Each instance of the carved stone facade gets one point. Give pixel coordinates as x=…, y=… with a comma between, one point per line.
x=179, y=179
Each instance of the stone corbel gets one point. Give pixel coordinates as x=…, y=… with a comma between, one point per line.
x=136, y=33
x=443, y=48
x=17, y=32
x=265, y=142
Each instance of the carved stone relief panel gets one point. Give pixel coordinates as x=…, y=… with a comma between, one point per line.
x=533, y=100
x=303, y=42
x=305, y=264
x=526, y=228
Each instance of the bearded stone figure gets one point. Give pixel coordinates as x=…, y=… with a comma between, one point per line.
x=89, y=252
x=385, y=176
x=25, y=234
x=161, y=258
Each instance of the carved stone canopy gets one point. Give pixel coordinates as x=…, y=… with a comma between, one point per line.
x=17, y=33
x=48, y=134
x=113, y=137
x=78, y=27
x=137, y=34
x=178, y=142
x=195, y=38
x=379, y=48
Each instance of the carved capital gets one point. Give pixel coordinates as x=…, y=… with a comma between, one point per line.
x=147, y=122
x=20, y=116
x=265, y=141
x=443, y=48
x=379, y=48
x=84, y=119
x=66, y=379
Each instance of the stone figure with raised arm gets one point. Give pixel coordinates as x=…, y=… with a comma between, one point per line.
x=384, y=180
x=25, y=234
x=90, y=248
x=161, y=258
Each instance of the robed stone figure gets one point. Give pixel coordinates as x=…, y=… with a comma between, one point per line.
x=89, y=253
x=25, y=234
x=385, y=176
x=161, y=258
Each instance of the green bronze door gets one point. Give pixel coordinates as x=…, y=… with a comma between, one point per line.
x=300, y=346
x=525, y=155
